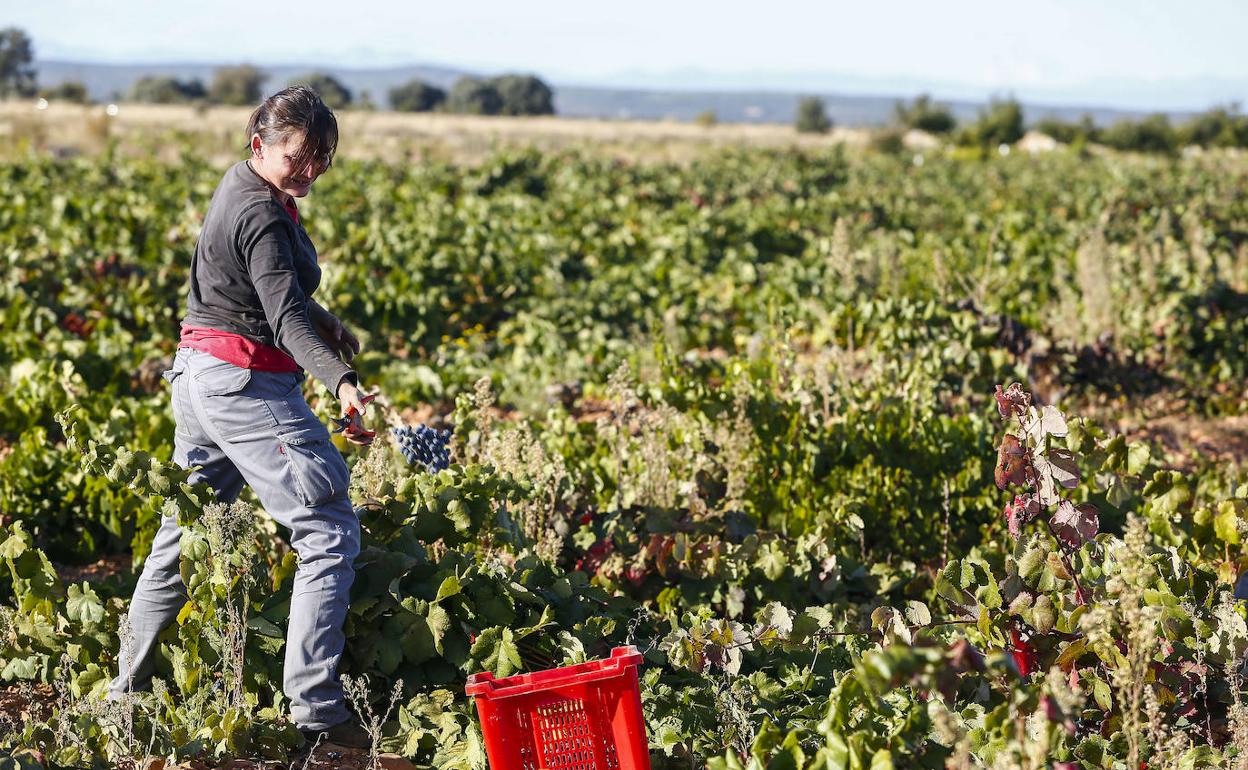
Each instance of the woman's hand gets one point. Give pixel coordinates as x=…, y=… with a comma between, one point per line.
x=334, y=332
x=354, y=403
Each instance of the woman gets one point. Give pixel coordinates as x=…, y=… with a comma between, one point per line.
x=251, y=326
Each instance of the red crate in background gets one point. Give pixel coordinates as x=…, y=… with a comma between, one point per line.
x=581, y=717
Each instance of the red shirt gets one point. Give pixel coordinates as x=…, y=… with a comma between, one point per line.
x=235, y=348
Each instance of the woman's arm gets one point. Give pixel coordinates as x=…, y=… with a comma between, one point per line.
x=333, y=331
x=267, y=253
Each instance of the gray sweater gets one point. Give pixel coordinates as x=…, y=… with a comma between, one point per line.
x=254, y=273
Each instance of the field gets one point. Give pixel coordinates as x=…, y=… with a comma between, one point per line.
x=147, y=130
x=750, y=410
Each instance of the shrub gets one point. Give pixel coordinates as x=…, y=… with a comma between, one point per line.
x=524, y=95
x=70, y=91
x=925, y=115
x=162, y=89
x=329, y=88
x=1152, y=134
x=416, y=96
x=474, y=96
x=1069, y=132
x=236, y=85
x=1001, y=123
x=1219, y=127
x=812, y=116
x=706, y=119
x=888, y=140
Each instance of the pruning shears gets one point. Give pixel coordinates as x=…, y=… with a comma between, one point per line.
x=346, y=424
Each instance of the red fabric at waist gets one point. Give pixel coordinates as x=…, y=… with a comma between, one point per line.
x=236, y=349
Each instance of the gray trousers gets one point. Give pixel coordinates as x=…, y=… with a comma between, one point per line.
x=242, y=426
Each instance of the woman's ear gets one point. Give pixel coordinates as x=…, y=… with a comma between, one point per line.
x=257, y=146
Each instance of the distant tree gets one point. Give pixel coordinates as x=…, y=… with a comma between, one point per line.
x=331, y=90
x=889, y=140
x=163, y=89
x=72, y=91
x=1001, y=123
x=17, y=69
x=1068, y=132
x=473, y=96
x=416, y=96
x=1151, y=134
x=365, y=101
x=1219, y=127
x=524, y=95
x=236, y=85
x=925, y=115
x=706, y=119
x=812, y=116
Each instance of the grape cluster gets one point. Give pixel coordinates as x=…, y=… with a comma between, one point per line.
x=424, y=445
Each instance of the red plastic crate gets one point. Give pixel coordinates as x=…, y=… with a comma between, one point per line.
x=581, y=717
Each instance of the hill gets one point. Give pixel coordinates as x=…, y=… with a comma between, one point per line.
x=111, y=81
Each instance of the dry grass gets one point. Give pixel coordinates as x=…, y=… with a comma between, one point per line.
x=143, y=129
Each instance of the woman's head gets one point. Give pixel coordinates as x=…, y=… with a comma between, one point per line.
x=292, y=137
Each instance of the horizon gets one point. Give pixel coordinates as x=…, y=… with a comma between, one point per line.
x=1116, y=55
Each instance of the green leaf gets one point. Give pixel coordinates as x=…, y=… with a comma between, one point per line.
x=882, y=760
x=917, y=613
x=1226, y=521
x=496, y=651
x=83, y=605
x=774, y=620
x=439, y=621
x=1100, y=691
x=449, y=587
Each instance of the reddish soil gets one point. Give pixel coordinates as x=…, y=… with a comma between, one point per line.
x=101, y=570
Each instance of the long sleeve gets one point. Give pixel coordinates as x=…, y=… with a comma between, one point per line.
x=269, y=261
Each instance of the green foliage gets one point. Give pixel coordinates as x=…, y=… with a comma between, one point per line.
x=474, y=96
x=925, y=115
x=1151, y=134
x=812, y=116
x=72, y=91
x=331, y=90
x=524, y=95
x=744, y=420
x=238, y=86
x=416, y=96
x=1218, y=127
x=162, y=89
x=17, y=63
x=1000, y=123
x=1078, y=132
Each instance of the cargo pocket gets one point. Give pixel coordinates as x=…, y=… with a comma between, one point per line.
x=229, y=403
x=317, y=466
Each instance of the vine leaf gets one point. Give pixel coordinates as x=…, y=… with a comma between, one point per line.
x=774, y=621
x=1046, y=488
x=1011, y=462
x=1052, y=422
x=1074, y=524
x=1063, y=467
x=496, y=650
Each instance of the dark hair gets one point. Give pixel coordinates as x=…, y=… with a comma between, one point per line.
x=293, y=111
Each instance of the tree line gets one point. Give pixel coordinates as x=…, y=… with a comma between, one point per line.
x=502, y=95
x=1002, y=122
x=510, y=94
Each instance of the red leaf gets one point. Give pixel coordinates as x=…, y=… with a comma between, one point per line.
x=1019, y=512
x=1022, y=653
x=1075, y=525
x=1011, y=462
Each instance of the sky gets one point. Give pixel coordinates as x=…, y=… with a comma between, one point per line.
x=1074, y=51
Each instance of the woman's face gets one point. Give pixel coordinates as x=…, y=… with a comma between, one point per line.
x=275, y=162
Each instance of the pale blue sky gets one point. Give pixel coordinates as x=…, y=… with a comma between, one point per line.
x=1066, y=49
